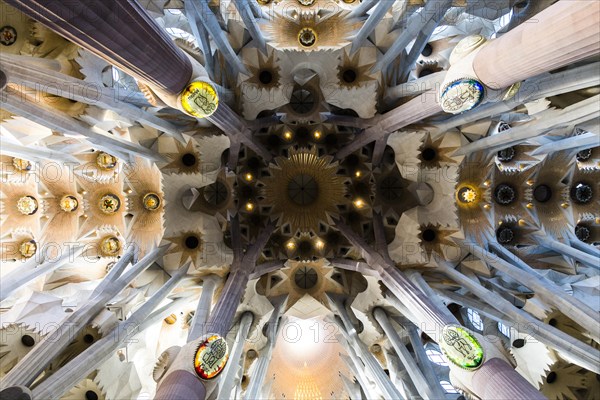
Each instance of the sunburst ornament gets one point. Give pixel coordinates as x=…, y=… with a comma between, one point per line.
x=110, y=246
x=109, y=203
x=69, y=203
x=186, y=160
x=311, y=30
x=352, y=73
x=304, y=189
x=28, y=248
x=106, y=161
x=188, y=246
x=267, y=73
x=27, y=205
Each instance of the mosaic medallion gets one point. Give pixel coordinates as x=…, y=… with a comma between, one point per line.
x=21, y=165
x=200, y=99
x=211, y=357
x=461, y=95
x=110, y=246
x=461, y=348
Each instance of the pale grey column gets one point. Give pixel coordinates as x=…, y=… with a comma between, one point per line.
x=237, y=129
x=81, y=366
x=582, y=246
x=581, y=353
x=201, y=35
x=575, y=143
x=352, y=387
x=433, y=9
x=228, y=380
x=223, y=313
x=426, y=390
x=198, y=327
x=20, y=277
x=35, y=153
x=264, y=359
x=212, y=26
x=421, y=356
x=245, y=10
x=46, y=350
x=22, y=71
x=561, y=248
x=369, y=26
x=62, y=122
x=550, y=292
x=417, y=279
x=419, y=304
x=417, y=86
x=575, y=114
x=221, y=318
x=356, y=365
x=362, y=8
x=381, y=379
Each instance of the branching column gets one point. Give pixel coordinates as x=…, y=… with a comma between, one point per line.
x=425, y=389
x=227, y=381
x=262, y=363
x=203, y=308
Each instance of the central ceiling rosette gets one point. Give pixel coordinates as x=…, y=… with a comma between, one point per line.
x=304, y=189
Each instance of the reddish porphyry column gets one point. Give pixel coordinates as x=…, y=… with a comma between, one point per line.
x=121, y=32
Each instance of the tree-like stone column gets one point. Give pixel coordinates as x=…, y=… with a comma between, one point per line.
x=198, y=328
x=228, y=380
x=425, y=389
x=264, y=359
x=120, y=32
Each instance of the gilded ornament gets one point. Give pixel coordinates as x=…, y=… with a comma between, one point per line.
x=27, y=205
x=106, y=161
x=151, y=201
x=69, y=203
x=110, y=246
x=109, y=204
x=28, y=248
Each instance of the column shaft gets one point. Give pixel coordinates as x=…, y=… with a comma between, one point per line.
x=221, y=318
x=86, y=362
x=120, y=32
x=490, y=382
x=228, y=381
x=426, y=390
x=198, y=327
x=565, y=32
